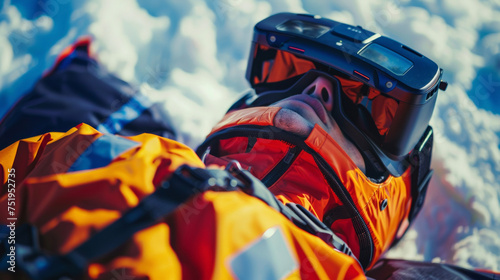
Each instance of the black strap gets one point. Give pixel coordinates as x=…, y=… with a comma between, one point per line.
x=387, y=269
x=183, y=185
x=420, y=162
x=420, y=159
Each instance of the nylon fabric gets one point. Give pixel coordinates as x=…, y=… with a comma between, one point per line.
x=367, y=195
x=101, y=152
x=244, y=220
x=266, y=161
x=127, y=113
x=197, y=241
x=303, y=183
x=258, y=116
x=68, y=208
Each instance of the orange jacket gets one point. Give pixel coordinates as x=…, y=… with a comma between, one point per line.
x=71, y=185
x=316, y=173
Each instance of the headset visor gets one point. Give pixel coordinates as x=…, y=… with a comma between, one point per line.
x=270, y=66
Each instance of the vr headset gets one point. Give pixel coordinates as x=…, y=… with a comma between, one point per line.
x=387, y=90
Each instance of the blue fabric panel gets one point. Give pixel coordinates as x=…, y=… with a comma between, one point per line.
x=127, y=113
x=267, y=258
x=66, y=61
x=102, y=151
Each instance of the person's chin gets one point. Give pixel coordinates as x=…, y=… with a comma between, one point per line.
x=293, y=122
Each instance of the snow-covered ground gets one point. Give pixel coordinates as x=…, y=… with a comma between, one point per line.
x=191, y=55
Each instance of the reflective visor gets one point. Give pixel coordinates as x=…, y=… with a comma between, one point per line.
x=276, y=65
x=271, y=66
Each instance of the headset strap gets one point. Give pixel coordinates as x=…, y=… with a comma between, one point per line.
x=420, y=162
x=420, y=159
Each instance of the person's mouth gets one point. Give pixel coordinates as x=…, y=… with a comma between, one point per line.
x=314, y=104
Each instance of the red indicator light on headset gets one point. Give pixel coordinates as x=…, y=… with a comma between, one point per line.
x=361, y=75
x=295, y=49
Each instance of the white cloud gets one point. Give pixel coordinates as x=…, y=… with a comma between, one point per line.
x=16, y=33
x=480, y=249
x=120, y=46
x=6, y=56
x=44, y=23
x=195, y=42
x=194, y=101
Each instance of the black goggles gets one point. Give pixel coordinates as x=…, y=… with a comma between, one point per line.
x=393, y=86
x=393, y=125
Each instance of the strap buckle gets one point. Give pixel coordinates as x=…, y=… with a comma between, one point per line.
x=193, y=180
x=234, y=168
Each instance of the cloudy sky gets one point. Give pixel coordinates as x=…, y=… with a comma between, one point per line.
x=191, y=56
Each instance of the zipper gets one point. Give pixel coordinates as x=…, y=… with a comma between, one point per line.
x=282, y=166
x=360, y=227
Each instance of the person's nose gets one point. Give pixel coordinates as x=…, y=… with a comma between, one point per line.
x=322, y=90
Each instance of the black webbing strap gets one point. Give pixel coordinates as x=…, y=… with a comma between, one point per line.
x=420, y=159
x=420, y=162
x=183, y=185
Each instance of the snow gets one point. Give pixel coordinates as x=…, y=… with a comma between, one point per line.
x=191, y=55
